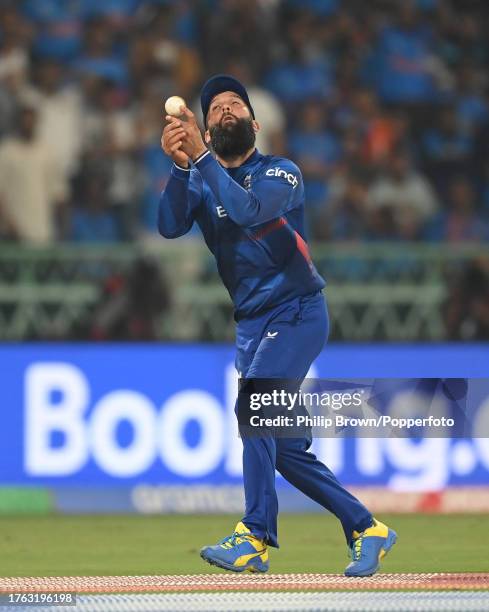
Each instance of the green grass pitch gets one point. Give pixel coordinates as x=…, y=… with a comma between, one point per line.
x=138, y=545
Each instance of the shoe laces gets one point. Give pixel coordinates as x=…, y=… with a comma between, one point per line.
x=356, y=549
x=236, y=538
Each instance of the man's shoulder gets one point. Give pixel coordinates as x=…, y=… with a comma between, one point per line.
x=280, y=170
x=275, y=167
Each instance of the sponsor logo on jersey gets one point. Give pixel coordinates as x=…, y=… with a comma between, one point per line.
x=221, y=211
x=291, y=178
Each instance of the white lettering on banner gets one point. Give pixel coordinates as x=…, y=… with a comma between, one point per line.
x=43, y=416
x=136, y=457
x=369, y=456
x=181, y=408
x=423, y=465
x=463, y=459
x=182, y=499
x=234, y=446
x=330, y=451
x=57, y=401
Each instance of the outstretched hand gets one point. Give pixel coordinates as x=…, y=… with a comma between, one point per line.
x=172, y=140
x=193, y=144
x=181, y=139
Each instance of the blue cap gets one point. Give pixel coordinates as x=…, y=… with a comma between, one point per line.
x=216, y=85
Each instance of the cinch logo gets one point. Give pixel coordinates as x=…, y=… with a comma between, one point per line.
x=291, y=178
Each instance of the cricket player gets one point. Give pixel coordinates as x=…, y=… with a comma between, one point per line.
x=250, y=209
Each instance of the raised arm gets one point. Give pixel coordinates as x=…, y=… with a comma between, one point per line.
x=269, y=197
x=181, y=195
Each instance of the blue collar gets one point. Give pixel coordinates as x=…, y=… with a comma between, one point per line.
x=253, y=158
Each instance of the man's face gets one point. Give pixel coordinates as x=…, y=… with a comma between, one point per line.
x=230, y=126
x=226, y=107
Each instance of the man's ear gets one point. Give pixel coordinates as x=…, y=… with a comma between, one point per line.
x=256, y=125
x=207, y=137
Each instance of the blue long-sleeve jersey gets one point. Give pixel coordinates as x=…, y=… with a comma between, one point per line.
x=252, y=220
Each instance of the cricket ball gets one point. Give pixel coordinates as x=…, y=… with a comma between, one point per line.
x=173, y=106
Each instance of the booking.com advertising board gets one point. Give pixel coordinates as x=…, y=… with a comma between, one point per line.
x=151, y=428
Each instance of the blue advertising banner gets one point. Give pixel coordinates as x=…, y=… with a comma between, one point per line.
x=122, y=416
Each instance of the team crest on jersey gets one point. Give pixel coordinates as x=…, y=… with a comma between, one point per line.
x=247, y=182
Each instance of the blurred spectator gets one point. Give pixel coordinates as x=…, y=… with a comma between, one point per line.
x=347, y=219
x=461, y=222
x=403, y=193
x=14, y=56
x=402, y=59
x=60, y=115
x=117, y=12
x=323, y=8
x=386, y=75
x=461, y=34
x=14, y=64
x=303, y=71
x=237, y=27
x=483, y=186
x=131, y=307
x=383, y=105
x=446, y=148
x=314, y=149
x=98, y=58
x=381, y=131
x=93, y=219
x=471, y=107
x=32, y=186
x=467, y=307
x=160, y=55
x=59, y=27
x=110, y=140
x=381, y=225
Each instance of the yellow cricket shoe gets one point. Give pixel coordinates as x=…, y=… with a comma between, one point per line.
x=238, y=552
x=368, y=548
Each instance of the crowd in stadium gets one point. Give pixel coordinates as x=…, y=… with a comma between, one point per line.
x=383, y=105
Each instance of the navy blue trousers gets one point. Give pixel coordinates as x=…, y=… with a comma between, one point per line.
x=282, y=343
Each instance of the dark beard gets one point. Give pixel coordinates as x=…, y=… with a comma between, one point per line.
x=232, y=140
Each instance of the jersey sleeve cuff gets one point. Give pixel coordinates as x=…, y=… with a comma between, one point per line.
x=179, y=172
x=204, y=160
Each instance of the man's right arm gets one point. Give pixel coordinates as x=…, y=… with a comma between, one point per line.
x=178, y=202
x=183, y=192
